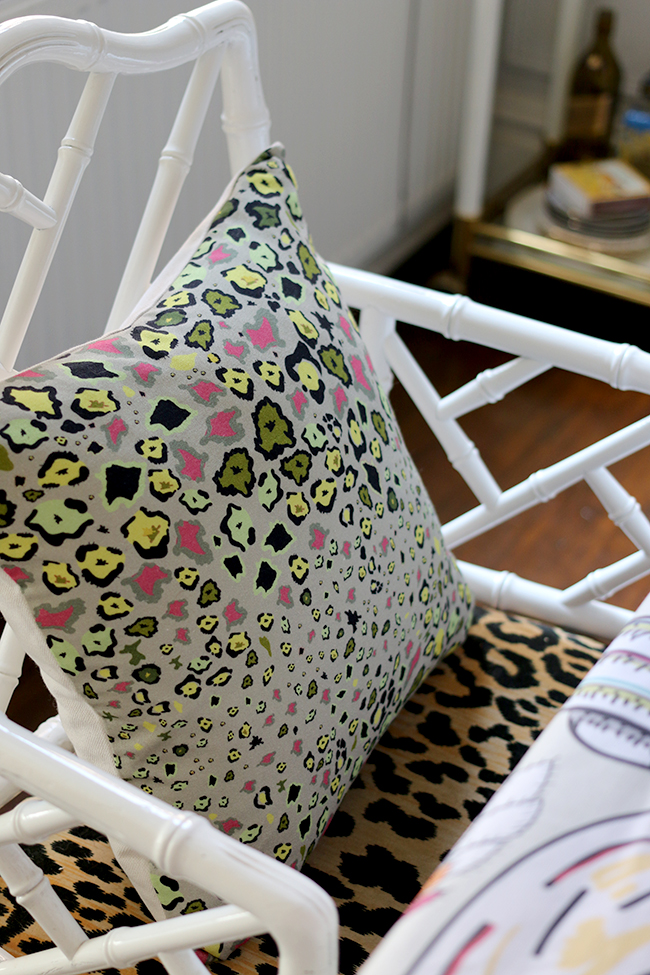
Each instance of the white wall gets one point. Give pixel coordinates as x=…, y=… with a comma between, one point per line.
x=364, y=94
x=525, y=62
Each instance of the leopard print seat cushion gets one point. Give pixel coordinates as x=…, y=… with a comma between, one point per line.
x=455, y=740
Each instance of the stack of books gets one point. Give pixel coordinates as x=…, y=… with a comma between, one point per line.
x=602, y=204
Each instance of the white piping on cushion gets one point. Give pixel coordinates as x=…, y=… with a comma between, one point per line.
x=6, y=373
x=80, y=721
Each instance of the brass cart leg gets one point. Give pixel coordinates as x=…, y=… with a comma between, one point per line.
x=461, y=246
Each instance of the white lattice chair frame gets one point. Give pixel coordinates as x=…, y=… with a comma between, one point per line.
x=535, y=347
x=220, y=37
x=300, y=916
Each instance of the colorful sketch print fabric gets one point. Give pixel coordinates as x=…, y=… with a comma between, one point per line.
x=575, y=900
x=222, y=538
x=587, y=910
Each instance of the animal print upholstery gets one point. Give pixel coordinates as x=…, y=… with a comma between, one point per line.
x=214, y=537
x=82, y=870
x=455, y=740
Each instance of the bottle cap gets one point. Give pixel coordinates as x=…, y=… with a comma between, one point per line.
x=636, y=118
x=605, y=21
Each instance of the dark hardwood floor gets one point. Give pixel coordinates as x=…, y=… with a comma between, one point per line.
x=557, y=413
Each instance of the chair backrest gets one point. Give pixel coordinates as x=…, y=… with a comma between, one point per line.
x=220, y=39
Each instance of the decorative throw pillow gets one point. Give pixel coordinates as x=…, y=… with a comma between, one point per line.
x=216, y=544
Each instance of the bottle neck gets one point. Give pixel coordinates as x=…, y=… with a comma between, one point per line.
x=602, y=42
x=604, y=27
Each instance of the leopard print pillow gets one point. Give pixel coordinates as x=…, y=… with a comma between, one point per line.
x=216, y=542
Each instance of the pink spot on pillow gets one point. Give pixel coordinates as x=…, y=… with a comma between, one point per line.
x=345, y=325
x=359, y=375
x=219, y=254
x=230, y=825
x=299, y=400
x=104, y=345
x=148, y=578
x=187, y=537
x=57, y=620
x=115, y=428
x=193, y=465
x=220, y=425
x=262, y=336
x=413, y=663
x=144, y=370
x=340, y=397
x=231, y=349
x=231, y=612
x=16, y=573
x=205, y=389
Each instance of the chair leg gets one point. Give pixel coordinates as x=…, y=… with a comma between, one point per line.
x=31, y=889
x=12, y=656
x=183, y=962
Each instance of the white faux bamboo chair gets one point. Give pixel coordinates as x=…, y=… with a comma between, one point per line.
x=270, y=897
